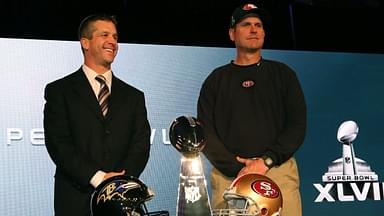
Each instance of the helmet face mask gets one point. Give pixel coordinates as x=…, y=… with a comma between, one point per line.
x=122, y=196
x=242, y=205
x=252, y=195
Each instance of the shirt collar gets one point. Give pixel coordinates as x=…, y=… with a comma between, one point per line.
x=91, y=74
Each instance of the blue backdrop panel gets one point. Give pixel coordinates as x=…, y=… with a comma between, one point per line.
x=337, y=87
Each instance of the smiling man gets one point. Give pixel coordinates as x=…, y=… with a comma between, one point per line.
x=95, y=124
x=254, y=114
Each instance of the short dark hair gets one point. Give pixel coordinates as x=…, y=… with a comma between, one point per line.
x=85, y=27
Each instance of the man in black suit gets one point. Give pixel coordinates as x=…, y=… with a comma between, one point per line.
x=91, y=140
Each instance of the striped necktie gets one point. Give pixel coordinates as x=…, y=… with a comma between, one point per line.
x=103, y=95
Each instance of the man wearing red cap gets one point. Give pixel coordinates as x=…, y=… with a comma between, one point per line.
x=254, y=114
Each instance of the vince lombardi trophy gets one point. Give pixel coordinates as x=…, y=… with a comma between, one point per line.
x=346, y=134
x=187, y=136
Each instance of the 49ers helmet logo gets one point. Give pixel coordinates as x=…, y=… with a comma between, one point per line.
x=265, y=188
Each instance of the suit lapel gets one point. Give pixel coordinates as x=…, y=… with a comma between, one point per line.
x=84, y=90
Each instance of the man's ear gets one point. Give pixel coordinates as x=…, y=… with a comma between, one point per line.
x=231, y=33
x=84, y=43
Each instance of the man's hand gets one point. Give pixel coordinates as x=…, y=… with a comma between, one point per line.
x=112, y=174
x=252, y=166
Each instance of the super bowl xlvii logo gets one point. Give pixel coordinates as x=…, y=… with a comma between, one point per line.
x=349, y=178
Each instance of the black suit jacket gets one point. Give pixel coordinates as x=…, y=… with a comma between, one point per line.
x=81, y=141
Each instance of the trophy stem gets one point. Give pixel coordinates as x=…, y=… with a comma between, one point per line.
x=192, y=199
x=349, y=159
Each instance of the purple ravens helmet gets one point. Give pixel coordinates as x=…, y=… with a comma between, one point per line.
x=122, y=196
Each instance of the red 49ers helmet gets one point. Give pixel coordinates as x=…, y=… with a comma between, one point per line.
x=252, y=195
x=122, y=196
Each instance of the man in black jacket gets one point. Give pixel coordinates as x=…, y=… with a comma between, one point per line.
x=95, y=124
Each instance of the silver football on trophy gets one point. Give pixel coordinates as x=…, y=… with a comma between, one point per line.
x=347, y=132
x=187, y=136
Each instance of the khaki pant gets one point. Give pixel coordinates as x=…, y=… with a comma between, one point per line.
x=286, y=176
